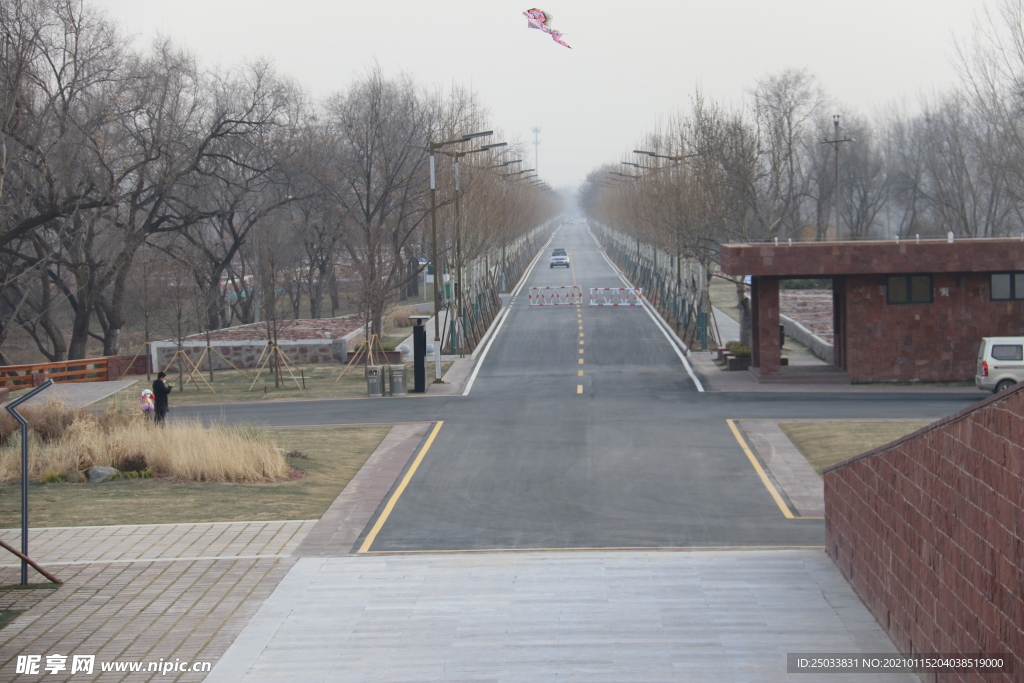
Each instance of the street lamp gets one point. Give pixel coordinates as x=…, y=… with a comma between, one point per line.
x=457, y=156
x=665, y=156
x=432, y=148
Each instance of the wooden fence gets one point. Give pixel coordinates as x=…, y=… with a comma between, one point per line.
x=64, y=372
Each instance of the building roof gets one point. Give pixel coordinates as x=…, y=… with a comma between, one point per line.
x=825, y=259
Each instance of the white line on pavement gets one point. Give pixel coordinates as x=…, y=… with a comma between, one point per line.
x=656, y=318
x=504, y=315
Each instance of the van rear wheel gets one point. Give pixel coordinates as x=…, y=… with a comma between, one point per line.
x=1004, y=385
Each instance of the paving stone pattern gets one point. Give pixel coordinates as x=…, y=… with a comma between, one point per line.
x=136, y=612
x=584, y=616
x=65, y=545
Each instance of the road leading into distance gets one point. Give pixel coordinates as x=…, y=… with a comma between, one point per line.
x=583, y=429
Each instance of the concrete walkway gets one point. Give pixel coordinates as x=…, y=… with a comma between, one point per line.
x=81, y=394
x=789, y=468
x=51, y=546
x=546, y=616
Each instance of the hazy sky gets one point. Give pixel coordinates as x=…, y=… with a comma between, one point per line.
x=627, y=68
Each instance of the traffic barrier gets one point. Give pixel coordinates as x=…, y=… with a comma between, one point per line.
x=556, y=296
x=616, y=296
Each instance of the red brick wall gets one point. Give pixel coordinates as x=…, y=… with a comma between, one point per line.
x=824, y=259
x=119, y=366
x=929, y=530
x=923, y=342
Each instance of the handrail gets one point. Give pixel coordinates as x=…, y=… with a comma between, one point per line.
x=83, y=370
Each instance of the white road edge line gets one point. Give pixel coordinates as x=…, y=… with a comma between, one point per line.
x=480, y=362
x=504, y=315
x=655, y=317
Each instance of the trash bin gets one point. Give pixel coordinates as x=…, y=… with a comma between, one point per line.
x=398, y=385
x=374, y=380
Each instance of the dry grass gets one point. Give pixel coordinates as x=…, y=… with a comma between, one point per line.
x=827, y=443
x=332, y=458
x=63, y=440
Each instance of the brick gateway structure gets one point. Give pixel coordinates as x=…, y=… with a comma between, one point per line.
x=902, y=311
x=929, y=531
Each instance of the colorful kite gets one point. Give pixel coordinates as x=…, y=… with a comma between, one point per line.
x=542, y=20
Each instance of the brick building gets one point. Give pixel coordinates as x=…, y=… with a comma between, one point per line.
x=902, y=311
x=929, y=531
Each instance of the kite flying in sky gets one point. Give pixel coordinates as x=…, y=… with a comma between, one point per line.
x=542, y=20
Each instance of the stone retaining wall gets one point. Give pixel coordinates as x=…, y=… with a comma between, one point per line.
x=246, y=354
x=818, y=346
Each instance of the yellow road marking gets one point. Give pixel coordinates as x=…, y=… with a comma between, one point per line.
x=372, y=536
x=581, y=360
x=579, y=388
x=581, y=327
x=581, y=342
x=580, y=373
x=581, y=334
x=581, y=351
x=760, y=471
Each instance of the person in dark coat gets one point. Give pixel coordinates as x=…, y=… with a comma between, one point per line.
x=161, y=390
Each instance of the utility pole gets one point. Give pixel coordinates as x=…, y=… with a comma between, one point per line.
x=536, y=148
x=836, y=142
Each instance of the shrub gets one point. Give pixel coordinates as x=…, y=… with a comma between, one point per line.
x=738, y=350
x=362, y=345
x=132, y=443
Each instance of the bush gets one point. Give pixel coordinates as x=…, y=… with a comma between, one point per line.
x=738, y=350
x=132, y=443
x=376, y=347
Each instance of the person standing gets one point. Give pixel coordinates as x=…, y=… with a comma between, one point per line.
x=161, y=390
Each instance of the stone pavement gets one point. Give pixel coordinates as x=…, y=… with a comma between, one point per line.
x=81, y=394
x=545, y=616
x=135, y=612
x=140, y=542
x=790, y=470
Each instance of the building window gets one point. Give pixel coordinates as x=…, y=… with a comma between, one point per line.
x=910, y=289
x=1007, y=286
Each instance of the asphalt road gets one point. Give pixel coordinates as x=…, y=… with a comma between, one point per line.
x=627, y=454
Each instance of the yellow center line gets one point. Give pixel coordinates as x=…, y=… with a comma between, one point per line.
x=580, y=374
x=581, y=360
x=579, y=388
x=372, y=536
x=760, y=471
x=581, y=334
x=581, y=342
x=581, y=351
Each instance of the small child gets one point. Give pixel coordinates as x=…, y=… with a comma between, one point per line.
x=147, y=400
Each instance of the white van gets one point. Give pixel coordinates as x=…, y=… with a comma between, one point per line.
x=1000, y=363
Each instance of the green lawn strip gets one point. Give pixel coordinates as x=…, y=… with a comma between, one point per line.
x=333, y=456
x=826, y=443
x=231, y=387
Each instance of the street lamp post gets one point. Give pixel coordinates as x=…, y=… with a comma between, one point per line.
x=433, y=148
x=457, y=156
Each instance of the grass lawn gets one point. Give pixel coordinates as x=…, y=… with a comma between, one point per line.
x=333, y=456
x=826, y=443
x=232, y=387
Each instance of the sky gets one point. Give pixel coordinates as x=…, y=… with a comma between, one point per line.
x=632, y=64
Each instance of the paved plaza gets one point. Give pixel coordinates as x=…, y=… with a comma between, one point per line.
x=575, y=504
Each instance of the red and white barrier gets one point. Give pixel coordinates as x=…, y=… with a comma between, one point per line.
x=556, y=296
x=616, y=296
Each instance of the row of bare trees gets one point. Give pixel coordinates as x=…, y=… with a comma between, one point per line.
x=766, y=171
x=121, y=169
